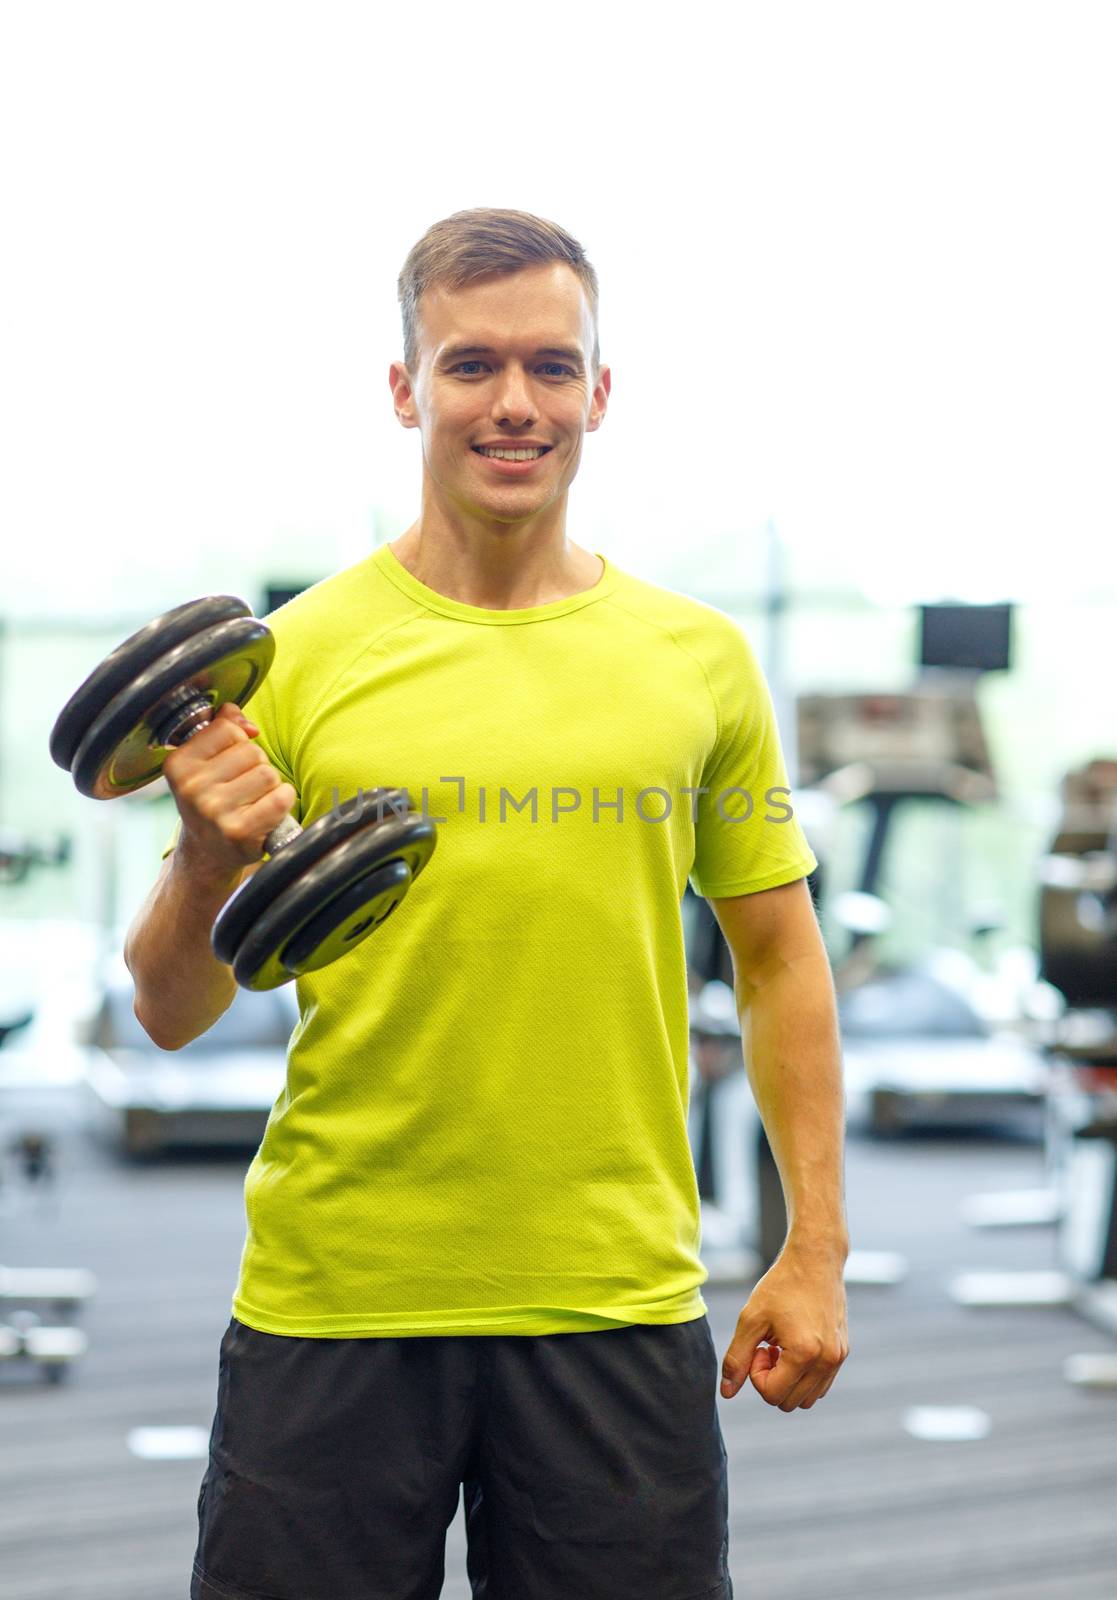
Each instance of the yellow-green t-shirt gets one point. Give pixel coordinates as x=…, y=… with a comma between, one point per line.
x=484, y=1123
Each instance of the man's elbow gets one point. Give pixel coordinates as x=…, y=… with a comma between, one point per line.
x=161, y=1036
x=148, y=1019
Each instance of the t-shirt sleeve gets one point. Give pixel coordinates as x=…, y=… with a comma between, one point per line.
x=747, y=836
x=262, y=710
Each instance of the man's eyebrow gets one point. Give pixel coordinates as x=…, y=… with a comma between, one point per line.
x=456, y=351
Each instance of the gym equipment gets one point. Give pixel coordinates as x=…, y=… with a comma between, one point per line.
x=18, y=855
x=322, y=889
x=218, y=1090
x=916, y=1043
x=1078, y=890
x=1078, y=956
x=967, y=637
x=37, y=1305
x=28, y=1295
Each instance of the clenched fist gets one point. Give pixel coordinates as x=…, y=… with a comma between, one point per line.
x=228, y=794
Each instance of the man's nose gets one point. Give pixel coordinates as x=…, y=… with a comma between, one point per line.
x=513, y=395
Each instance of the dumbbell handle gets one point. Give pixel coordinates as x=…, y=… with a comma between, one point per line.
x=190, y=717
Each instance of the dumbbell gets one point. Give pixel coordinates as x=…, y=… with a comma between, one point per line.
x=323, y=888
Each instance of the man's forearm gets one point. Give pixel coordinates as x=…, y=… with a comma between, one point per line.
x=793, y=1057
x=181, y=987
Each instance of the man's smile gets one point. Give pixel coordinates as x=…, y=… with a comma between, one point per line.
x=511, y=461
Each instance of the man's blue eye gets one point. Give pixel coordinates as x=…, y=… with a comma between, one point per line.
x=476, y=363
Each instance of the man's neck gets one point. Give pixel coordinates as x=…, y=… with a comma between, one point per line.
x=506, y=577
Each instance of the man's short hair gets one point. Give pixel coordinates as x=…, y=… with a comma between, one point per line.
x=476, y=244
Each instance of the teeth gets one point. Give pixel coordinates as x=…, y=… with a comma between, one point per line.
x=513, y=455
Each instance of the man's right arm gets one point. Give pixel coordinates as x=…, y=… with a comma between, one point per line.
x=229, y=798
x=181, y=987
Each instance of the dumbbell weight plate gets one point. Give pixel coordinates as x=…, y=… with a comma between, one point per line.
x=138, y=652
x=251, y=900
x=271, y=955
x=121, y=751
x=349, y=917
x=366, y=874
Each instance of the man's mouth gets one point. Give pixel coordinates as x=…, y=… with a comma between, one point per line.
x=510, y=454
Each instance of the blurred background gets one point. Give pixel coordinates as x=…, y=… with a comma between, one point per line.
x=868, y=250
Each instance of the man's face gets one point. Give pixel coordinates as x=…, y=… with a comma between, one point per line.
x=502, y=362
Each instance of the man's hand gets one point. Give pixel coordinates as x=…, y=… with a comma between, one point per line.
x=791, y=1337
x=228, y=795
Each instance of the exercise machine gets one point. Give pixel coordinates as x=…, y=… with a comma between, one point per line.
x=917, y=1041
x=1078, y=945
x=37, y=1305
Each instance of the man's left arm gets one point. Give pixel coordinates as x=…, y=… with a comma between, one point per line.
x=791, y=1337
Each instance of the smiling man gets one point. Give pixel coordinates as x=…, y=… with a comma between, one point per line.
x=472, y=1257
x=492, y=530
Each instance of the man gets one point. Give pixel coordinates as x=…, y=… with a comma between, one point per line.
x=472, y=1248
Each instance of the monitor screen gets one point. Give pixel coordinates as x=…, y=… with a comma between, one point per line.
x=975, y=638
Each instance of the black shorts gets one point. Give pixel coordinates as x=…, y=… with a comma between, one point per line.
x=593, y=1467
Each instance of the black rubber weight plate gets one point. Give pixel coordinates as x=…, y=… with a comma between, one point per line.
x=138, y=652
x=119, y=753
x=258, y=962
x=348, y=919
x=343, y=923
x=255, y=895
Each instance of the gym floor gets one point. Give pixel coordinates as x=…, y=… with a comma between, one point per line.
x=838, y=1501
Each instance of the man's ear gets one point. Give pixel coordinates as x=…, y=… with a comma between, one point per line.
x=403, y=394
x=600, y=400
